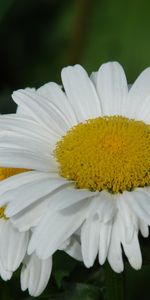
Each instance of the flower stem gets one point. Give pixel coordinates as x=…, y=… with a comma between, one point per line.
x=114, y=284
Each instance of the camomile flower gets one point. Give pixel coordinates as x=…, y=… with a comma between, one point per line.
x=87, y=152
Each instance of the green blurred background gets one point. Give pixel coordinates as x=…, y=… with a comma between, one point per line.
x=37, y=39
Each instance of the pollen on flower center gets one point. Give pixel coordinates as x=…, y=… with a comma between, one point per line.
x=106, y=153
x=8, y=172
x=2, y=213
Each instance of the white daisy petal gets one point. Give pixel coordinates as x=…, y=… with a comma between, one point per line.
x=107, y=207
x=63, y=224
x=42, y=111
x=140, y=204
x=133, y=252
x=17, y=158
x=35, y=274
x=104, y=241
x=53, y=92
x=103, y=205
x=132, y=248
x=144, y=228
x=94, y=206
x=13, y=182
x=16, y=141
x=31, y=192
x=30, y=216
x=10, y=188
x=90, y=240
x=81, y=93
x=74, y=249
x=72, y=246
x=11, y=255
x=68, y=197
x=5, y=274
x=126, y=216
x=138, y=94
x=21, y=110
x=93, y=77
x=143, y=112
x=115, y=251
x=23, y=124
x=112, y=88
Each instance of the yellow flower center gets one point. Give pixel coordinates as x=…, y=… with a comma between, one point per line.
x=5, y=173
x=2, y=213
x=106, y=153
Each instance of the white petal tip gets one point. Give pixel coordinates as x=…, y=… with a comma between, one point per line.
x=118, y=267
x=87, y=265
x=6, y=275
x=135, y=263
x=102, y=260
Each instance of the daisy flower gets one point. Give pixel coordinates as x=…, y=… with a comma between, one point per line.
x=87, y=151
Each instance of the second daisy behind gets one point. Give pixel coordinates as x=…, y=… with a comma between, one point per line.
x=88, y=152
